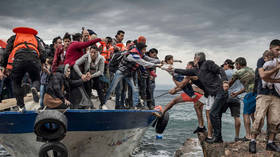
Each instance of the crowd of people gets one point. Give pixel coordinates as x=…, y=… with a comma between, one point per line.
x=66, y=72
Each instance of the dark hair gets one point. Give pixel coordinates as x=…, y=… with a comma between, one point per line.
x=109, y=39
x=241, y=61
x=153, y=50
x=274, y=43
x=55, y=39
x=201, y=56
x=168, y=57
x=77, y=36
x=120, y=31
x=94, y=47
x=191, y=63
x=67, y=36
x=128, y=42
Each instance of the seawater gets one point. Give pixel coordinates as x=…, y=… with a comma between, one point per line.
x=180, y=127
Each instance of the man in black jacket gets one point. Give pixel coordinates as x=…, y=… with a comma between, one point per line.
x=211, y=76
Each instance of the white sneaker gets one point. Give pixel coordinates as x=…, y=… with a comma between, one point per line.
x=104, y=107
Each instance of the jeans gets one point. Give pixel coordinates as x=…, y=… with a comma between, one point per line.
x=216, y=113
x=119, y=76
x=42, y=93
x=120, y=92
x=1, y=89
x=152, y=87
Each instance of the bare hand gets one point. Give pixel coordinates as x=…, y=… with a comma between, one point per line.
x=68, y=103
x=233, y=94
x=1, y=75
x=172, y=91
x=84, y=78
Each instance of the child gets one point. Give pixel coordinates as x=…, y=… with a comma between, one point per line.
x=177, y=77
x=271, y=62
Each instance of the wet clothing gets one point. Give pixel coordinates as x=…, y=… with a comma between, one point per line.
x=237, y=86
x=75, y=50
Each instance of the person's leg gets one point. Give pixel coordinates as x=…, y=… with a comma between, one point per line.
x=98, y=85
x=234, y=105
x=135, y=91
x=123, y=94
x=216, y=116
x=118, y=94
x=197, y=107
x=262, y=103
x=42, y=92
x=273, y=120
x=153, y=86
x=1, y=88
x=209, y=125
x=173, y=102
x=117, y=77
x=247, y=124
x=18, y=72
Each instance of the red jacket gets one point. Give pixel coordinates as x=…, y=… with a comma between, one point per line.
x=59, y=52
x=75, y=50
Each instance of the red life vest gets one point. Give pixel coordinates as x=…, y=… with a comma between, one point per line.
x=25, y=38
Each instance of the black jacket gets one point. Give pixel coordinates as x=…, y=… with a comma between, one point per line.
x=57, y=81
x=209, y=74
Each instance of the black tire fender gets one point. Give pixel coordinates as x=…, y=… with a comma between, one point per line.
x=162, y=123
x=51, y=125
x=58, y=149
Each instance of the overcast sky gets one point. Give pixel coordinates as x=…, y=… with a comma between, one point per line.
x=220, y=28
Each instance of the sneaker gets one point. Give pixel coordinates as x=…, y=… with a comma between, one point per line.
x=104, y=107
x=252, y=147
x=236, y=139
x=272, y=147
x=199, y=129
x=245, y=139
x=21, y=109
x=214, y=140
x=35, y=94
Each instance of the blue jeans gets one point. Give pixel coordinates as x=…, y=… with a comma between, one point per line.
x=120, y=93
x=42, y=93
x=1, y=88
x=118, y=76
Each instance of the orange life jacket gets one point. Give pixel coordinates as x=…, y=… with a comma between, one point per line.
x=121, y=46
x=22, y=41
x=106, y=52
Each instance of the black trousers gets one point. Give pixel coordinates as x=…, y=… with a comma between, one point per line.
x=98, y=85
x=25, y=63
x=216, y=113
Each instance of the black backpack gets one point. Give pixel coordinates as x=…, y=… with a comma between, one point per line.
x=115, y=61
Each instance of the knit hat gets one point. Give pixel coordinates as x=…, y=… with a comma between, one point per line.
x=141, y=39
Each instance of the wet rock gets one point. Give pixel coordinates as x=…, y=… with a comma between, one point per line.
x=229, y=149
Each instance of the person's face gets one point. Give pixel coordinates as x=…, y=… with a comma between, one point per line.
x=85, y=35
x=108, y=43
x=66, y=43
x=93, y=53
x=120, y=37
x=189, y=66
x=226, y=66
x=67, y=74
x=170, y=61
x=238, y=67
x=153, y=54
x=58, y=42
x=225, y=86
x=275, y=50
x=143, y=50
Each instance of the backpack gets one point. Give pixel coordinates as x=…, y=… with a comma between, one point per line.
x=115, y=61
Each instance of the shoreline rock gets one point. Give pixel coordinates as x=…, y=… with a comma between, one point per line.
x=229, y=149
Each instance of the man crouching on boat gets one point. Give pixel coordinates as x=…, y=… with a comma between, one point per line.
x=24, y=54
